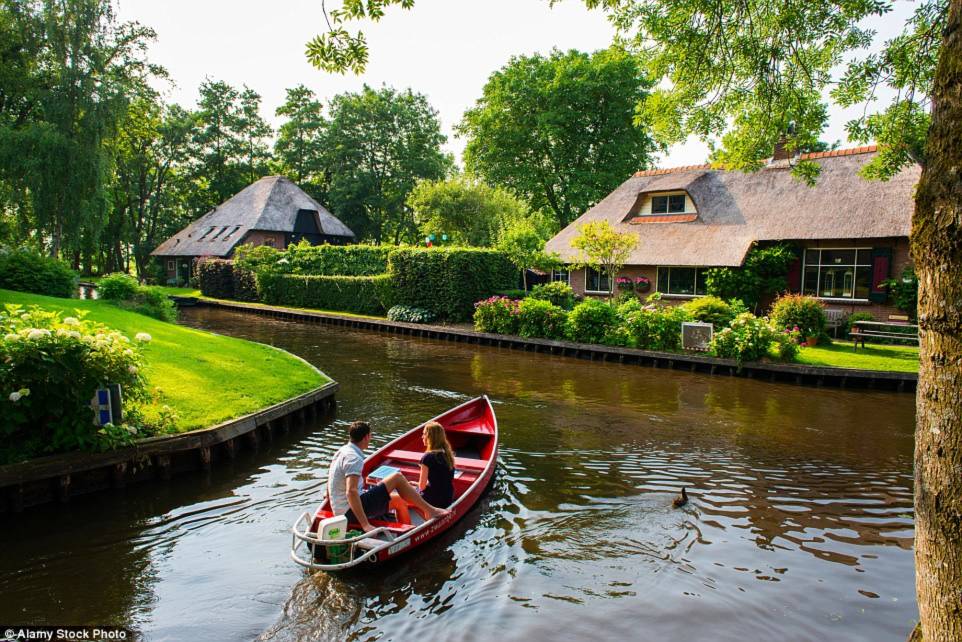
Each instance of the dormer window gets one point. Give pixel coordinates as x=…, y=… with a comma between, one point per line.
x=668, y=204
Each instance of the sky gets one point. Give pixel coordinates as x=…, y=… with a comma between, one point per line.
x=445, y=49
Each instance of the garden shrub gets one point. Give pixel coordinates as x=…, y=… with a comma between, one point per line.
x=50, y=368
x=497, y=314
x=244, y=283
x=710, y=309
x=763, y=273
x=117, y=287
x=125, y=292
x=787, y=344
x=591, y=321
x=513, y=293
x=746, y=339
x=407, y=314
x=257, y=257
x=904, y=292
x=541, y=319
x=447, y=281
x=359, y=294
x=652, y=328
x=557, y=292
x=27, y=271
x=338, y=260
x=807, y=313
x=216, y=278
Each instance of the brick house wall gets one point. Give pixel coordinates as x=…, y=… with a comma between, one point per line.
x=261, y=237
x=881, y=311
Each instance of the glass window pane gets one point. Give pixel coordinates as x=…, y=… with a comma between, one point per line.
x=676, y=203
x=863, y=282
x=659, y=204
x=682, y=281
x=811, y=257
x=663, y=280
x=837, y=282
x=865, y=257
x=838, y=257
x=700, y=287
x=810, y=286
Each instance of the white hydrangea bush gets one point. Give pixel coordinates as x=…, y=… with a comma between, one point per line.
x=50, y=369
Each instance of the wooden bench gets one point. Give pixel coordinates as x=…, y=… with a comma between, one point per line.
x=460, y=463
x=835, y=319
x=862, y=330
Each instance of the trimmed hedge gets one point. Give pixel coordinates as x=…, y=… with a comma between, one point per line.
x=359, y=294
x=216, y=277
x=338, y=260
x=447, y=281
x=244, y=282
x=30, y=272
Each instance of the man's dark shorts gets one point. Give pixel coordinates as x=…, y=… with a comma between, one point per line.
x=376, y=502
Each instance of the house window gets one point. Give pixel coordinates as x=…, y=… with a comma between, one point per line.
x=844, y=273
x=269, y=242
x=668, y=204
x=597, y=282
x=684, y=281
x=561, y=275
x=171, y=265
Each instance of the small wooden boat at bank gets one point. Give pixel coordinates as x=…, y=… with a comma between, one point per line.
x=472, y=430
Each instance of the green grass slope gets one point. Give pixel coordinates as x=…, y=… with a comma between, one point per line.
x=205, y=378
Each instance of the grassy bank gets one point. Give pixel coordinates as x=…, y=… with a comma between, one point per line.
x=204, y=377
x=872, y=357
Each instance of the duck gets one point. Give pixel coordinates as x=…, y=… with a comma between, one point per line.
x=681, y=500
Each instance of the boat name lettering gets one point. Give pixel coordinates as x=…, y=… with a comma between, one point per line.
x=400, y=546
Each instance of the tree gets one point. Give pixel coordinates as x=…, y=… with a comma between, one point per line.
x=469, y=211
x=298, y=150
x=217, y=150
x=253, y=132
x=558, y=130
x=745, y=72
x=378, y=144
x=523, y=243
x=602, y=248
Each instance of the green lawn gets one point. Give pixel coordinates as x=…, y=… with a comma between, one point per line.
x=172, y=291
x=872, y=357
x=205, y=378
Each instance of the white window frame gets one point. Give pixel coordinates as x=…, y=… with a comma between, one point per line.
x=818, y=275
x=171, y=265
x=667, y=196
x=696, y=268
x=566, y=280
x=587, y=291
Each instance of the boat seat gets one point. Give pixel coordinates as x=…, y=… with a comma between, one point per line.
x=462, y=463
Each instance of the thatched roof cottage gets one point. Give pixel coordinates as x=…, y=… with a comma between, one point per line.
x=272, y=211
x=851, y=233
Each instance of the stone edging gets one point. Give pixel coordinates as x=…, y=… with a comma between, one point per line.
x=779, y=372
x=58, y=477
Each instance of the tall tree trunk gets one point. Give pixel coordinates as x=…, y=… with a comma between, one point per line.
x=937, y=251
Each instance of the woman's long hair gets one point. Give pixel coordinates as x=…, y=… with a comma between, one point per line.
x=437, y=440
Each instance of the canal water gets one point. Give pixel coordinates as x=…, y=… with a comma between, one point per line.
x=799, y=527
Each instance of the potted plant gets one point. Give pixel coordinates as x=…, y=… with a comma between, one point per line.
x=625, y=284
x=642, y=284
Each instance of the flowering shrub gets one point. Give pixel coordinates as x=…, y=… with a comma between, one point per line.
x=747, y=339
x=787, y=343
x=556, y=292
x=651, y=327
x=541, y=319
x=807, y=313
x=407, y=314
x=498, y=314
x=592, y=321
x=50, y=368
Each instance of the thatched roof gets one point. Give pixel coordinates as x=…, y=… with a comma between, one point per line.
x=735, y=209
x=270, y=204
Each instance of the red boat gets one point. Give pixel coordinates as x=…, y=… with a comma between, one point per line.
x=472, y=430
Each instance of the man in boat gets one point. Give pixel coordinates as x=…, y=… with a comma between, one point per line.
x=344, y=484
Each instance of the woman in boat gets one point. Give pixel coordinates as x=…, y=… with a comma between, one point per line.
x=437, y=474
x=437, y=467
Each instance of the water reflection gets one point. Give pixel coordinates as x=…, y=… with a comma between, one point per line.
x=799, y=525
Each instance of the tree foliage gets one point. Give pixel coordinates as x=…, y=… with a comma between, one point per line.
x=467, y=210
x=558, y=130
x=601, y=247
x=298, y=151
x=381, y=142
x=523, y=243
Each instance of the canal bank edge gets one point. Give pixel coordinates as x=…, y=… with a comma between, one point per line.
x=60, y=477
x=775, y=372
